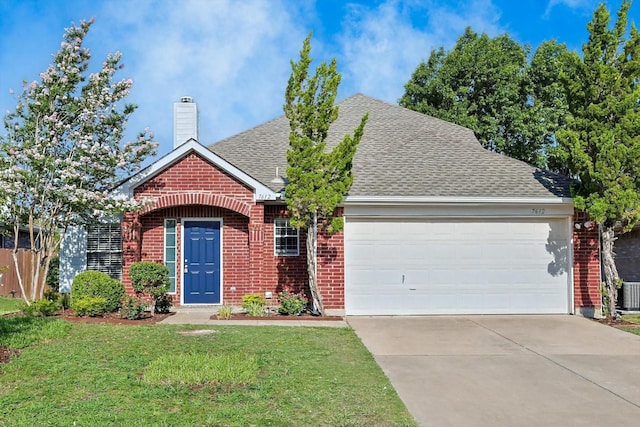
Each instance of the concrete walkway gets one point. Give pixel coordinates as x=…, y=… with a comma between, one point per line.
x=202, y=316
x=508, y=370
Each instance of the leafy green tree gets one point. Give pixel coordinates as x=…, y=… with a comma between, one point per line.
x=62, y=153
x=487, y=85
x=601, y=141
x=550, y=66
x=317, y=180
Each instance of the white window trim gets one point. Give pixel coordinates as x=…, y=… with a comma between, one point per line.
x=287, y=224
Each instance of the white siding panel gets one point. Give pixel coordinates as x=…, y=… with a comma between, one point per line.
x=457, y=266
x=73, y=256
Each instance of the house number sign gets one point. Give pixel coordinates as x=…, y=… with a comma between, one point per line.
x=537, y=211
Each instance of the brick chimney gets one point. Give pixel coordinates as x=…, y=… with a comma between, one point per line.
x=185, y=121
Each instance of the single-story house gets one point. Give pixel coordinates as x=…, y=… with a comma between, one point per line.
x=434, y=223
x=7, y=237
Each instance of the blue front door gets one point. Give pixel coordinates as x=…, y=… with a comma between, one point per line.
x=201, y=262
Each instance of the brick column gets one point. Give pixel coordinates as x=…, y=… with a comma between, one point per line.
x=331, y=268
x=586, y=268
x=256, y=248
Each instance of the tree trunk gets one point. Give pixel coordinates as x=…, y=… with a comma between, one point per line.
x=611, y=278
x=312, y=259
x=43, y=247
x=14, y=253
x=16, y=235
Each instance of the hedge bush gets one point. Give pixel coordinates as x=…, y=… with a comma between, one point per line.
x=89, y=306
x=41, y=308
x=149, y=277
x=95, y=284
x=153, y=279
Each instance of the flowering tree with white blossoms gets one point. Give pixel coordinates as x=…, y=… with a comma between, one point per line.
x=62, y=152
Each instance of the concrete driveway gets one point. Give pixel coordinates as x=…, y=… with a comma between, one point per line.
x=508, y=370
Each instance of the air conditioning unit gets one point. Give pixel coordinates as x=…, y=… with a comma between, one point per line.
x=631, y=296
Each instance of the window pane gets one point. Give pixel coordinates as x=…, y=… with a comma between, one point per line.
x=286, y=238
x=172, y=268
x=171, y=265
x=170, y=251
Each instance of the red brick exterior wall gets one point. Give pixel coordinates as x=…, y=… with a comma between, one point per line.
x=235, y=251
x=288, y=273
x=586, y=267
x=194, y=188
x=331, y=268
x=193, y=174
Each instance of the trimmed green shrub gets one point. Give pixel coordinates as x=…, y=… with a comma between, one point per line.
x=254, y=304
x=292, y=304
x=132, y=307
x=89, y=306
x=153, y=279
x=149, y=277
x=41, y=308
x=98, y=285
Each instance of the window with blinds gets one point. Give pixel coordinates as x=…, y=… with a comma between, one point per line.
x=104, y=249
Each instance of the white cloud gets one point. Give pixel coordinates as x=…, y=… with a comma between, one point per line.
x=381, y=47
x=231, y=57
x=580, y=5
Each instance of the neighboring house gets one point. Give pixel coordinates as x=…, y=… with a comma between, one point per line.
x=434, y=223
x=627, y=249
x=7, y=238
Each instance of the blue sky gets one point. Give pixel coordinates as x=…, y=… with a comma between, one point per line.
x=233, y=56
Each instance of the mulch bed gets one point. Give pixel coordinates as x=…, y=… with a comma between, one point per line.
x=113, y=318
x=277, y=316
x=617, y=323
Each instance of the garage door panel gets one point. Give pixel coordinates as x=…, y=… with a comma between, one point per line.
x=451, y=267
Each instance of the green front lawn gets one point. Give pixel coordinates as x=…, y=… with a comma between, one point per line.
x=9, y=305
x=95, y=375
x=633, y=318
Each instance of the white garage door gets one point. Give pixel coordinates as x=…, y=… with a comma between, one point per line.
x=456, y=266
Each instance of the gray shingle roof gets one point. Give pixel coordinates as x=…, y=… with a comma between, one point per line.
x=403, y=153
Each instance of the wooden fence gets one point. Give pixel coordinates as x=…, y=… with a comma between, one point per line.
x=9, y=280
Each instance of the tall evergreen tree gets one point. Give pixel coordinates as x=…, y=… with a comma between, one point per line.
x=317, y=180
x=601, y=142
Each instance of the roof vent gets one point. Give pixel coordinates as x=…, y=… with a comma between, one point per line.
x=186, y=99
x=278, y=179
